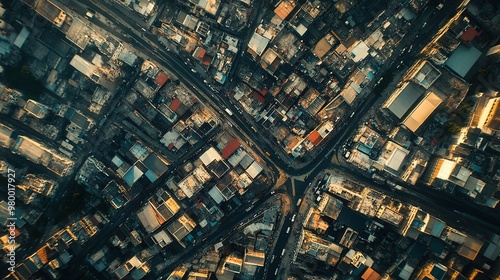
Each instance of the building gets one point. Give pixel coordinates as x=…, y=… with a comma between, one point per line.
x=462, y=59
x=148, y=219
x=425, y=74
x=253, y=257
x=392, y=158
x=233, y=264
x=230, y=148
x=162, y=238
x=284, y=8
x=36, y=109
x=257, y=45
x=319, y=248
x=440, y=172
x=181, y=227
x=210, y=155
x=488, y=115
x=422, y=111
x=403, y=99
x=470, y=248
x=86, y=68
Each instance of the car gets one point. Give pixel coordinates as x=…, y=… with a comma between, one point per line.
x=347, y=154
x=293, y=217
x=283, y=252
x=276, y=272
x=288, y=230
x=192, y=70
x=273, y=192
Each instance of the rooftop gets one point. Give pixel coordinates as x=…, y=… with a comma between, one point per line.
x=462, y=59
x=403, y=99
x=422, y=111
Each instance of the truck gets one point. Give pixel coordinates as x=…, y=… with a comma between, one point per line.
x=228, y=111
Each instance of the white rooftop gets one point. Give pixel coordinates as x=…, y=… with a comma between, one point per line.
x=360, y=52
x=209, y=156
x=254, y=170
x=258, y=43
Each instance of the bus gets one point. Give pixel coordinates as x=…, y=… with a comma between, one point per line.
x=298, y=202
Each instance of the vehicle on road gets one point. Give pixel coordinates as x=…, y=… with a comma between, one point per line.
x=347, y=154
x=288, y=230
x=283, y=252
x=276, y=272
x=293, y=217
x=298, y=202
x=273, y=192
x=89, y=14
x=229, y=112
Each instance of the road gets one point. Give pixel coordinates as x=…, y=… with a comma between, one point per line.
x=125, y=29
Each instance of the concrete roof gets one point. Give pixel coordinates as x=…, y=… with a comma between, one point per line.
x=83, y=66
x=258, y=43
x=470, y=248
x=162, y=238
x=216, y=195
x=254, y=170
x=360, y=51
x=5, y=133
x=147, y=218
x=209, y=156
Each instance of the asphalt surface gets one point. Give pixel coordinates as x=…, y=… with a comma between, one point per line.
x=125, y=30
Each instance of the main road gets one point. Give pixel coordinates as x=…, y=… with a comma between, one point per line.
x=143, y=43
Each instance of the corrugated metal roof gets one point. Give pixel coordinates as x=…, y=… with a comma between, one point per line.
x=315, y=138
x=230, y=148
x=161, y=79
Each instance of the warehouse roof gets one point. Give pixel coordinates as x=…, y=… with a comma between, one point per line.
x=423, y=110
